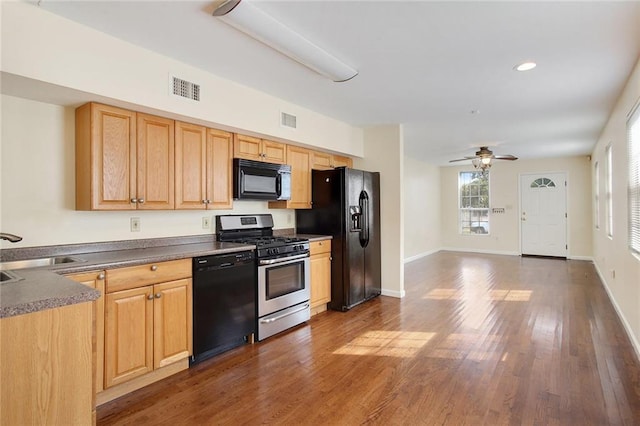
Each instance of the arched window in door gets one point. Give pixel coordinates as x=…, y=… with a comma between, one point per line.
x=543, y=183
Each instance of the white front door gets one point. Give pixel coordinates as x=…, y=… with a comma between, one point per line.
x=543, y=214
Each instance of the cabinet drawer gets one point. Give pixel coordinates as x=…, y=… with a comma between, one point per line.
x=150, y=273
x=318, y=247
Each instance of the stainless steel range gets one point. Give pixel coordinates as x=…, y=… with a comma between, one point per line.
x=283, y=271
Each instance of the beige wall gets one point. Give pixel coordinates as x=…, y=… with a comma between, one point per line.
x=383, y=146
x=618, y=268
x=421, y=192
x=41, y=47
x=504, y=237
x=38, y=187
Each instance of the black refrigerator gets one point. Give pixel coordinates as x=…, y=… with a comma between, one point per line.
x=346, y=205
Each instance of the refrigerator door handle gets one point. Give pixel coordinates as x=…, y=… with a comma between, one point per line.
x=364, y=206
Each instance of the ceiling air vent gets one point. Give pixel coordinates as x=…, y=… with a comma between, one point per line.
x=185, y=89
x=288, y=120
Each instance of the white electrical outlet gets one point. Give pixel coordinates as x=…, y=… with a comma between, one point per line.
x=206, y=223
x=135, y=224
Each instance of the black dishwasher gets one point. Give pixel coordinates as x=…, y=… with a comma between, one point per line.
x=224, y=302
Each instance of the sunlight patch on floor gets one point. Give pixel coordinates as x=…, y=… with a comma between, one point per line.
x=465, y=346
x=404, y=344
x=495, y=295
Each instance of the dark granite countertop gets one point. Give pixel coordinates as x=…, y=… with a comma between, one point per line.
x=45, y=287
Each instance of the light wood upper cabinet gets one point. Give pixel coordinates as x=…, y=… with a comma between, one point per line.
x=257, y=149
x=300, y=161
x=155, y=163
x=105, y=158
x=124, y=160
x=320, y=275
x=191, y=166
x=203, y=167
x=219, y=169
x=342, y=161
x=326, y=161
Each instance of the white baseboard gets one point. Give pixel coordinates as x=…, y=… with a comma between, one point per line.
x=625, y=323
x=421, y=255
x=393, y=293
x=468, y=250
x=587, y=258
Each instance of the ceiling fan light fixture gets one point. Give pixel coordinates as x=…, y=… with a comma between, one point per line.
x=251, y=20
x=486, y=160
x=525, y=66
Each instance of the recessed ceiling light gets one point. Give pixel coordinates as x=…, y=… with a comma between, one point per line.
x=525, y=66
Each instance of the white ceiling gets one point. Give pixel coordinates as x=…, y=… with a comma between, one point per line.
x=424, y=64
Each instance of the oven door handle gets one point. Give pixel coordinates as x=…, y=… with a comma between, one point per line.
x=283, y=259
x=279, y=317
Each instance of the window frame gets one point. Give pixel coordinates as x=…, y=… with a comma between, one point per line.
x=596, y=212
x=633, y=145
x=608, y=152
x=461, y=181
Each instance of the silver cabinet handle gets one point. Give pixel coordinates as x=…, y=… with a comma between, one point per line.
x=141, y=200
x=154, y=267
x=204, y=201
x=158, y=295
x=150, y=297
x=134, y=200
x=100, y=276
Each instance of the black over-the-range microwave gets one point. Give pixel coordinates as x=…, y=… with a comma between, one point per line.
x=255, y=180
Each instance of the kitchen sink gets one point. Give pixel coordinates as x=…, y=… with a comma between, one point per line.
x=9, y=277
x=34, y=263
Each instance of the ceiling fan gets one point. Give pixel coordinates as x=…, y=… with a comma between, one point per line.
x=483, y=158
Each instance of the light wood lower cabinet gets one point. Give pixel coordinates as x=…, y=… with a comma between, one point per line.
x=148, y=320
x=320, y=275
x=46, y=367
x=96, y=280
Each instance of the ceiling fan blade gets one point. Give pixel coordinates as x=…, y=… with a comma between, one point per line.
x=505, y=157
x=460, y=159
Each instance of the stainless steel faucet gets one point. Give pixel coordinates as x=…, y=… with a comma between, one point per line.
x=10, y=237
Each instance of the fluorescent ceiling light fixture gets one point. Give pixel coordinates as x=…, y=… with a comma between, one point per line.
x=252, y=21
x=525, y=66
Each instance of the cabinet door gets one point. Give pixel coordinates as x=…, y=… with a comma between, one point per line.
x=219, y=169
x=155, y=163
x=191, y=160
x=300, y=161
x=274, y=152
x=128, y=335
x=321, y=161
x=172, y=322
x=341, y=161
x=96, y=280
x=247, y=147
x=320, y=273
x=105, y=158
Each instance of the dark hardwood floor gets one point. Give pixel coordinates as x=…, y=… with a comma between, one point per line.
x=478, y=340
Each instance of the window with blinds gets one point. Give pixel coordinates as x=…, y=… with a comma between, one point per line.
x=633, y=126
x=609, y=190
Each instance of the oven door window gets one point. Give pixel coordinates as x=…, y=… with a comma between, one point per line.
x=281, y=280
